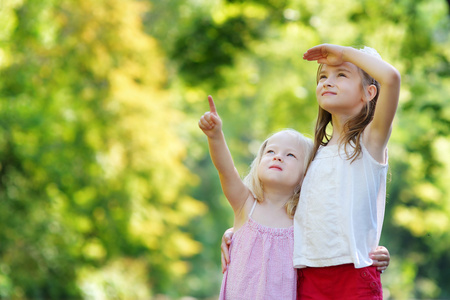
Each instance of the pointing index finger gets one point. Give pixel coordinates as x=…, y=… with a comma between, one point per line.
x=212, y=106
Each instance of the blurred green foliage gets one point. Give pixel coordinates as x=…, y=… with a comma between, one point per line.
x=106, y=186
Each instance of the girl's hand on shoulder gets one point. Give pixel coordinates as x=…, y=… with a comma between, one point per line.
x=381, y=258
x=210, y=123
x=325, y=54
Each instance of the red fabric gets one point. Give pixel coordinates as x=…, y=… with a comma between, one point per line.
x=339, y=282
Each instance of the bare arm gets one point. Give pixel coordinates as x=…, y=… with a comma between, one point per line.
x=378, y=132
x=233, y=187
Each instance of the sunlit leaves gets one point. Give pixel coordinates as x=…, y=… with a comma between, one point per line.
x=89, y=143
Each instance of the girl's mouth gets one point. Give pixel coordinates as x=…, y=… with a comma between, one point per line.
x=276, y=167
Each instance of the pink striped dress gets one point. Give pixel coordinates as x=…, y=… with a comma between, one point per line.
x=261, y=265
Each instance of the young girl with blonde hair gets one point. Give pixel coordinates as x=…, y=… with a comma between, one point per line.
x=343, y=195
x=264, y=204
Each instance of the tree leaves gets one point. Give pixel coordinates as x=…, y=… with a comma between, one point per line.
x=83, y=167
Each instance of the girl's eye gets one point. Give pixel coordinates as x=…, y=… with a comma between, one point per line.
x=342, y=75
x=270, y=151
x=290, y=154
x=321, y=77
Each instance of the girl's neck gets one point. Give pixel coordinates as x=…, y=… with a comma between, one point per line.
x=338, y=129
x=275, y=198
x=272, y=212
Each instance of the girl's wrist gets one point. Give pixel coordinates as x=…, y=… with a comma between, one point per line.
x=217, y=135
x=347, y=53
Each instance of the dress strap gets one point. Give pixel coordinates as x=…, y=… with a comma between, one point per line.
x=253, y=208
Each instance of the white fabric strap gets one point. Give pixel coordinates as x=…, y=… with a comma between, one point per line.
x=253, y=208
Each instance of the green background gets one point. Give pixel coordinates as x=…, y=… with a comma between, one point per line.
x=107, y=190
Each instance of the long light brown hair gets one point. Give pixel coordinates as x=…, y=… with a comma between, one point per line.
x=353, y=128
x=253, y=182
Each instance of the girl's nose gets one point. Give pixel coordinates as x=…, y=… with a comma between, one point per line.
x=328, y=82
x=276, y=157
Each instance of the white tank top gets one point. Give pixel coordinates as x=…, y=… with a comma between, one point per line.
x=341, y=209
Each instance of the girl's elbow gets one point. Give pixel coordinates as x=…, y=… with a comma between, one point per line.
x=394, y=77
x=391, y=80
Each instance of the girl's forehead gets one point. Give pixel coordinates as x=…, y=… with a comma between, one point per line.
x=284, y=139
x=346, y=66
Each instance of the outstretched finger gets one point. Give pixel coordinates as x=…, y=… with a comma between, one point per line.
x=315, y=50
x=313, y=55
x=224, y=247
x=212, y=106
x=223, y=263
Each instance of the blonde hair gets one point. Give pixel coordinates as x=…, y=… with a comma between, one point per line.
x=355, y=126
x=253, y=182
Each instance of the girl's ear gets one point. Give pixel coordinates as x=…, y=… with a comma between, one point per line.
x=371, y=91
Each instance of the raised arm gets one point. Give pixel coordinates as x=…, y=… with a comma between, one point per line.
x=233, y=187
x=379, y=130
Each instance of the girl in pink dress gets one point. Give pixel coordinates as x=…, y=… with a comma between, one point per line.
x=264, y=204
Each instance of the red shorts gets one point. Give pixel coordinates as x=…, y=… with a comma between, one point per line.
x=339, y=282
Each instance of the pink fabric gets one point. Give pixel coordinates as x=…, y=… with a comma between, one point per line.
x=260, y=264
